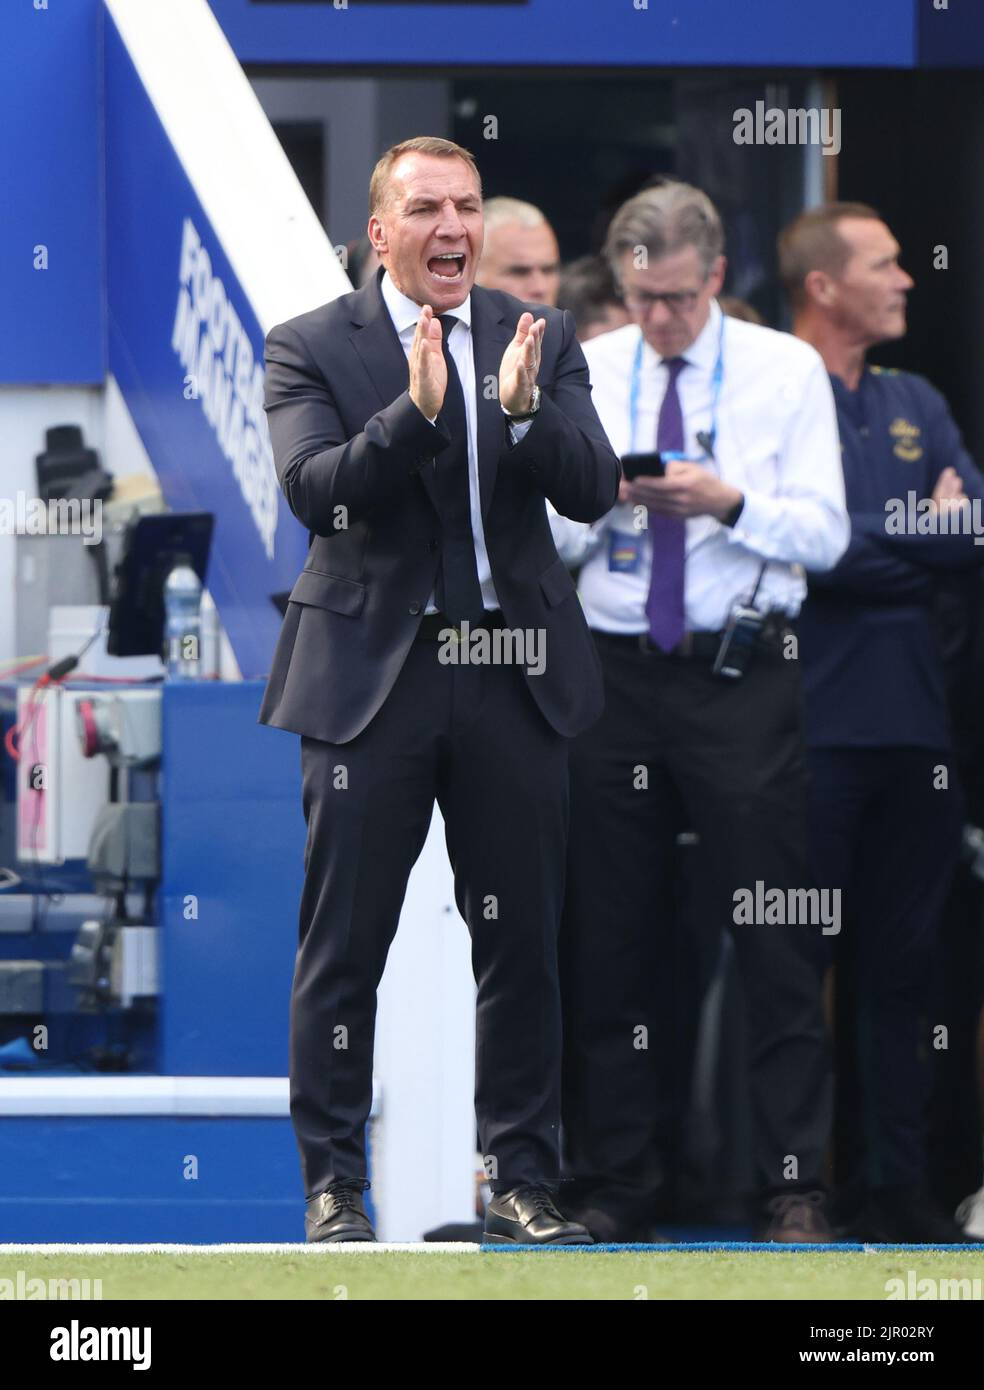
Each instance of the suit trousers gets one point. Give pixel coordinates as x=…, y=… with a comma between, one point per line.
x=678, y=748
x=886, y=832
x=472, y=737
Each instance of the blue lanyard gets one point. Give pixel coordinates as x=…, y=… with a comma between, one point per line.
x=716, y=379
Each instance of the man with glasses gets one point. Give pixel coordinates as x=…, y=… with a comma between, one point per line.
x=691, y=584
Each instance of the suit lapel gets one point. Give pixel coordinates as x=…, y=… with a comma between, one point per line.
x=378, y=344
x=490, y=334
x=379, y=347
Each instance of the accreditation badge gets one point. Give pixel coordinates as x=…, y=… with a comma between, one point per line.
x=624, y=552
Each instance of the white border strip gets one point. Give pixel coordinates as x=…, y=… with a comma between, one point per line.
x=144, y=1095
x=268, y=229
x=247, y=1096
x=315, y=1248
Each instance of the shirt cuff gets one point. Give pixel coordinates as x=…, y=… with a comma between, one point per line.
x=752, y=525
x=731, y=520
x=518, y=432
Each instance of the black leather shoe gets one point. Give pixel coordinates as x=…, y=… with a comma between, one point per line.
x=527, y=1216
x=614, y=1214
x=795, y=1218
x=338, y=1213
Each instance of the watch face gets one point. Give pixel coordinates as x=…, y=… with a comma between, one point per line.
x=534, y=406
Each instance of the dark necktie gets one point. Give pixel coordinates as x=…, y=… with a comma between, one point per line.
x=458, y=592
x=664, y=603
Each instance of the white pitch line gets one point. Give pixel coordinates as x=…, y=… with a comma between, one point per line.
x=353, y=1247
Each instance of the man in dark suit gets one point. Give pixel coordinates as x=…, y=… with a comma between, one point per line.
x=418, y=427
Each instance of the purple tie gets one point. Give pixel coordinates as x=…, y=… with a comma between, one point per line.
x=664, y=603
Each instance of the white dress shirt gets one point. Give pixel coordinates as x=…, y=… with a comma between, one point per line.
x=777, y=441
x=405, y=315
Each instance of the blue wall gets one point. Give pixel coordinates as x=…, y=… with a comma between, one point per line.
x=233, y=835
x=258, y=545
x=51, y=104
x=953, y=37
x=51, y=175
x=123, y=1178
x=719, y=33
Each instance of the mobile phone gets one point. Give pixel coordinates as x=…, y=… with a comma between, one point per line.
x=642, y=465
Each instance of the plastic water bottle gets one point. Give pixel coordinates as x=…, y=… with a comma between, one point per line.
x=182, y=621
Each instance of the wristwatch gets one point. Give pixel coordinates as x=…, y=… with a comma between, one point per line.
x=528, y=414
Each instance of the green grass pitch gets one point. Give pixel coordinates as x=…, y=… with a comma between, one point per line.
x=470, y=1275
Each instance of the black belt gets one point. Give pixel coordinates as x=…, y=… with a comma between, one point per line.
x=435, y=626
x=698, y=646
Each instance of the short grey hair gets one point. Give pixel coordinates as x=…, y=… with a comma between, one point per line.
x=498, y=211
x=664, y=220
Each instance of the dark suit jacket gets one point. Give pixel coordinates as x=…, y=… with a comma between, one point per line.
x=354, y=457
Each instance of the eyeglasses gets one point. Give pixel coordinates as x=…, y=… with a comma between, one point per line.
x=641, y=301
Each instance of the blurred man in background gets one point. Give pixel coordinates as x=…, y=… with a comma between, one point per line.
x=362, y=262
x=520, y=254
x=886, y=806
x=740, y=309
x=587, y=289
x=746, y=489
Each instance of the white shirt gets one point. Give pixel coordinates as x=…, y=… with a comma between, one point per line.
x=777, y=441
x=405, y=315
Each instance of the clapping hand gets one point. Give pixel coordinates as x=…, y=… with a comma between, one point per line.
x=520, y=365
x=428, y=369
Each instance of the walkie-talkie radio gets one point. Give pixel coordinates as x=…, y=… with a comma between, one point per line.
x=740, y=637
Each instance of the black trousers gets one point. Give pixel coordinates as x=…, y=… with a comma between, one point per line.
x=956, y=1115
x=678, y=748
x=472, y=737
x=889, y=838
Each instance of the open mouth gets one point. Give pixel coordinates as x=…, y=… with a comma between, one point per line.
x=447, y=267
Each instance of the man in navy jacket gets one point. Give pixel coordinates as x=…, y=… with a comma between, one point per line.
x=886, y=809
